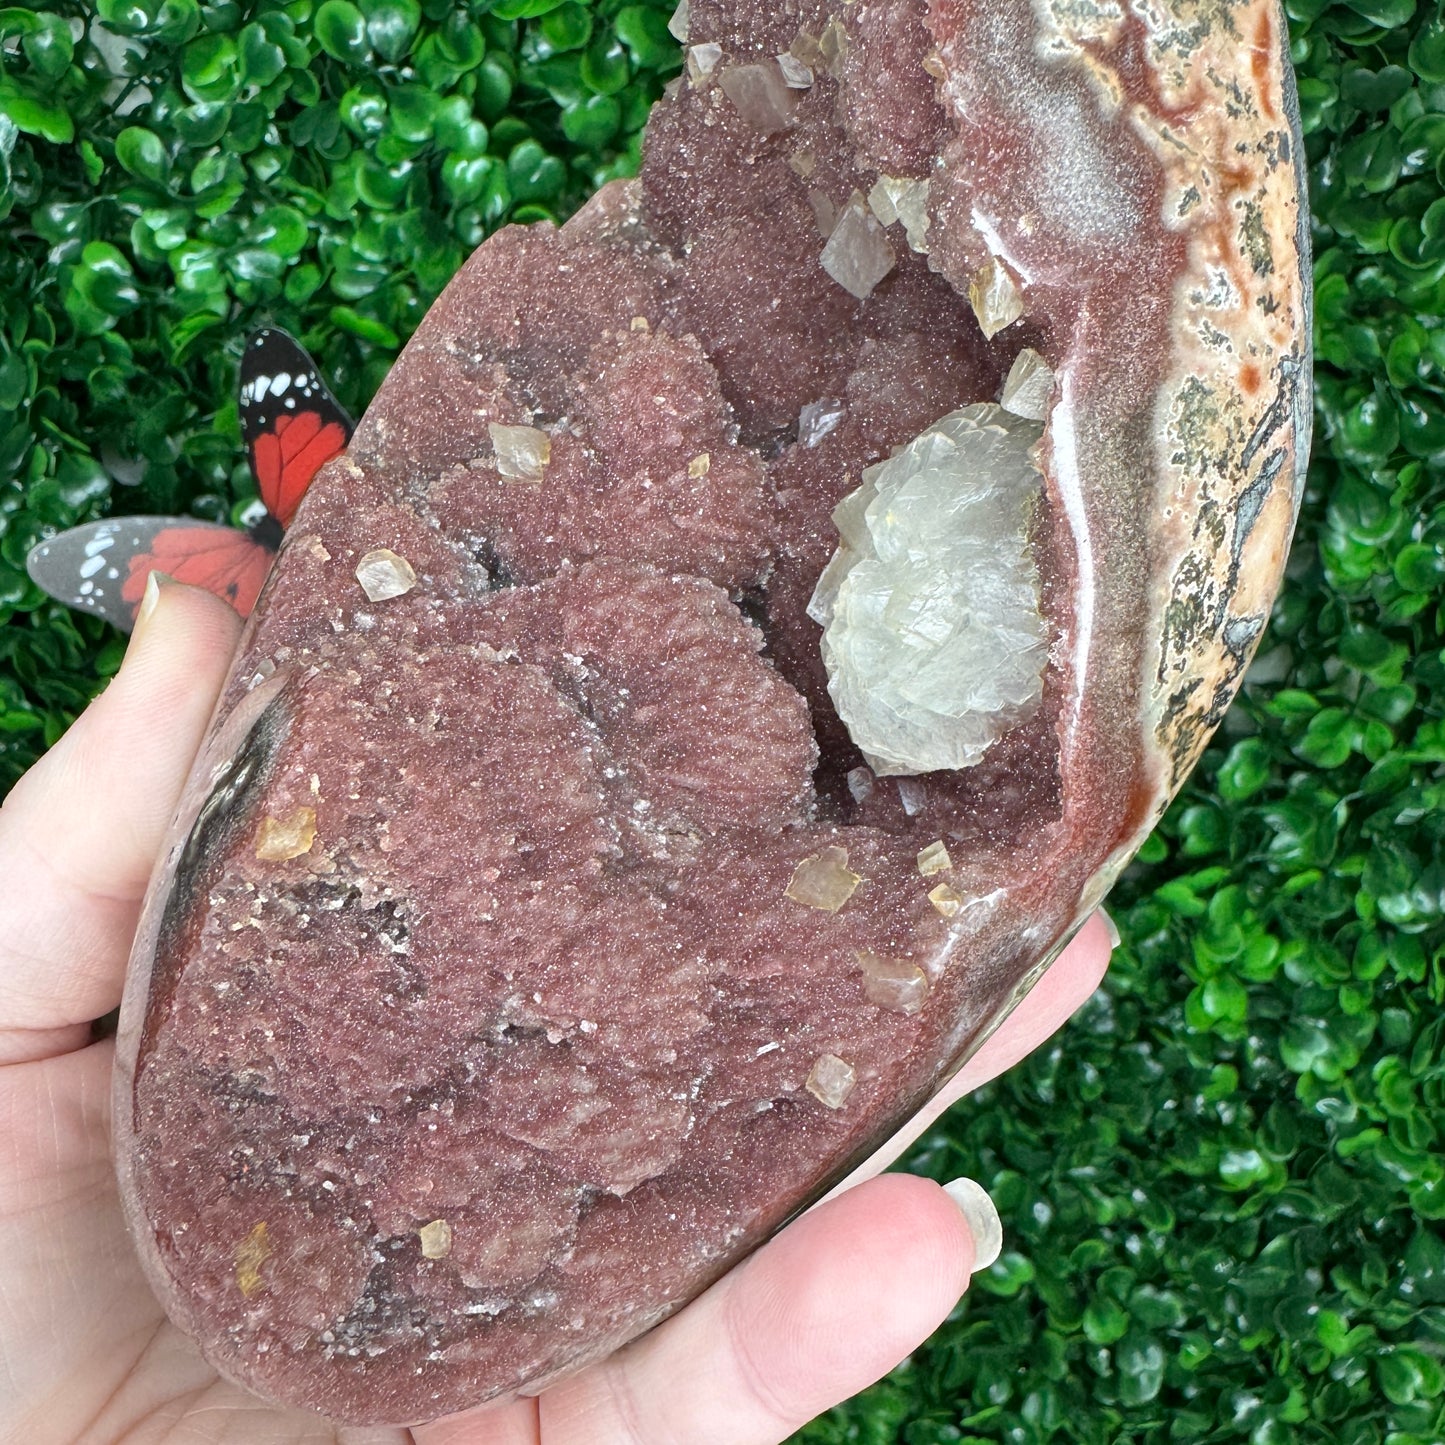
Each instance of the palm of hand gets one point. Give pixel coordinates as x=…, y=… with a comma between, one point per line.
x=86, y=1351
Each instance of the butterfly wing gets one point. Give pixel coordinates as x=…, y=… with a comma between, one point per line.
x=291, y=423
x=102, y=567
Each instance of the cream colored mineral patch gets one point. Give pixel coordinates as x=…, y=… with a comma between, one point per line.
x=831, y=1080
x=995, y=298
x=278, y=840
x=253, y=1252
x=522, y=451
x=946, y=900
x=384, y=575
x=823, y=881
x=436, y=1239
x=895, y=984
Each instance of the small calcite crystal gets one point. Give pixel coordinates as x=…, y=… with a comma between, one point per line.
x=435, y=1239
x=894, y=983
x=897, y=199
x=278, y=840
x=522, y=451
x=796, y=74
x=383, y=575
x=536, y=935
x=823, y=881
x=831, y=1080
x=763, y=95
x=819, y=420
x=702, y=61
x=995, y=298
x=1028, y=386
x=858, y=254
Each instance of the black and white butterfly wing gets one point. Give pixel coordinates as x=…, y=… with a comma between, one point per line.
x=290, y=422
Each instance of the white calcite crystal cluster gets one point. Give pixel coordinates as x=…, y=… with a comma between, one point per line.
x=933, y=636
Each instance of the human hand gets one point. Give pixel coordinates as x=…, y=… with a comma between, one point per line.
x=86, y=1352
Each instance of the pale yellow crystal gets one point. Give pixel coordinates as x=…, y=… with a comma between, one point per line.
x=254, y=1251
x=946, y=901
x=994, y=298
x=831, y=1080
x=436, y=1239
x=823, y=881
x=896, y=984
x=384, y=575
x=522, y=451
x=278, y=840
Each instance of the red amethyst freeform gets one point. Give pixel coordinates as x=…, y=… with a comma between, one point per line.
x=695, y=710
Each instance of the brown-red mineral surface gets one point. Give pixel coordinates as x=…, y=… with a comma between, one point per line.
x=751, y=629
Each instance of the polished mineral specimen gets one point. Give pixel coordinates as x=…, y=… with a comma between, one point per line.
x=537, y=936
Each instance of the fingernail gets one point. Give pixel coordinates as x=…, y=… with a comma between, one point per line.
x=1113, y=928
x=152, y=595
x=982, y=1218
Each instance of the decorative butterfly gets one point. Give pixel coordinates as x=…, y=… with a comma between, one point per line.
x=292, y=426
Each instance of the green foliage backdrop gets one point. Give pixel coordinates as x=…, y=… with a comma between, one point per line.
x=1223, y=1186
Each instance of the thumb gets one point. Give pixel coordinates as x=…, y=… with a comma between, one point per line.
x=80, y=832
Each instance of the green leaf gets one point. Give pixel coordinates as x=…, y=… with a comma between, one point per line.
x=261, y=59
x=48, y=46
x=210, y=70
x=592, y=123
x=522, y=9
x=367, y=328
x=604, y=68
x=533, y=175
x=1427, y=52
x=341, y=31
x=391, y=25
x=48, y=119
x=142, y=153
x=568, y=27
x=643, y=30
x=1375, y=89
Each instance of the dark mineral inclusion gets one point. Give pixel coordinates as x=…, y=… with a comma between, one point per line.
x=535, y=940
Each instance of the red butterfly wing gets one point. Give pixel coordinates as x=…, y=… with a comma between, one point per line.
x=102, y=567
x=291, y=423
x=222, y=560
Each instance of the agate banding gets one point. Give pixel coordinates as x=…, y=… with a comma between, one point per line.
x=536, y=937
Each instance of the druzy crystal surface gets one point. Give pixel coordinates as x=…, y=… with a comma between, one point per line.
x=537, y=936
